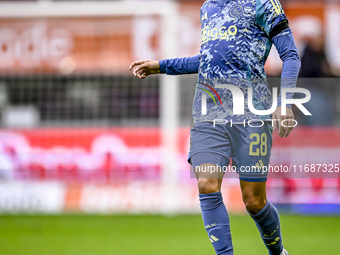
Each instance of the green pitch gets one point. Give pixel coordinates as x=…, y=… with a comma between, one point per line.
x=155, y=235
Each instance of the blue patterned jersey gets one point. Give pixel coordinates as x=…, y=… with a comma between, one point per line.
x=236, y=40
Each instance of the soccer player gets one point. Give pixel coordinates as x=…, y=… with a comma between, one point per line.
x=237, y=36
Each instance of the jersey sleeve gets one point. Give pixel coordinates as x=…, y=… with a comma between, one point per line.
x=178, y=66
x=286, y=47
x=271, y=17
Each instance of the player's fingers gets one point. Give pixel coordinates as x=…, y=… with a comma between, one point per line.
x=139, y=74
x=142, y=74
x=135, y=63
x=135, y=67
x=138, y=68
x=290, y=126
x=132, y=65
x=282, y=129
x=288, y=131
x=291, y=123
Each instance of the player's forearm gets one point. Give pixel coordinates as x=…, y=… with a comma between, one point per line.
x=289, y=54
x=177, y=66
x=290, y=72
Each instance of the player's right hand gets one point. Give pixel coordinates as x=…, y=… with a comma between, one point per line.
x=144, y=68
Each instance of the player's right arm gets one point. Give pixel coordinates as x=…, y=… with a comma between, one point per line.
x=176, y=66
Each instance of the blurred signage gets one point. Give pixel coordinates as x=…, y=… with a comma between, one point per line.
x=64, y=45
x=95, y=170
x=70, y=155
x=42, y=197
x=117, y=154
x=109, y=45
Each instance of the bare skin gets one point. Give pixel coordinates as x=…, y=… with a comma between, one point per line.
x=143, y=68
x=283, y=131
x=253, y=193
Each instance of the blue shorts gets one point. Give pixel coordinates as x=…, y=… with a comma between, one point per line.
x=249, y=148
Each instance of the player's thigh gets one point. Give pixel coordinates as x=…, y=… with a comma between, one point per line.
x=251, y=151
x=208, y=171
x=210, y=151
x=209, y=145
x=209, y=178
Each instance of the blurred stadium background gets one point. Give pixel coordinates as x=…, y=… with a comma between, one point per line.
x=80, y=137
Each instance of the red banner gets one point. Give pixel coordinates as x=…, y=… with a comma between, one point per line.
x=134, y=153
x=97, y=170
